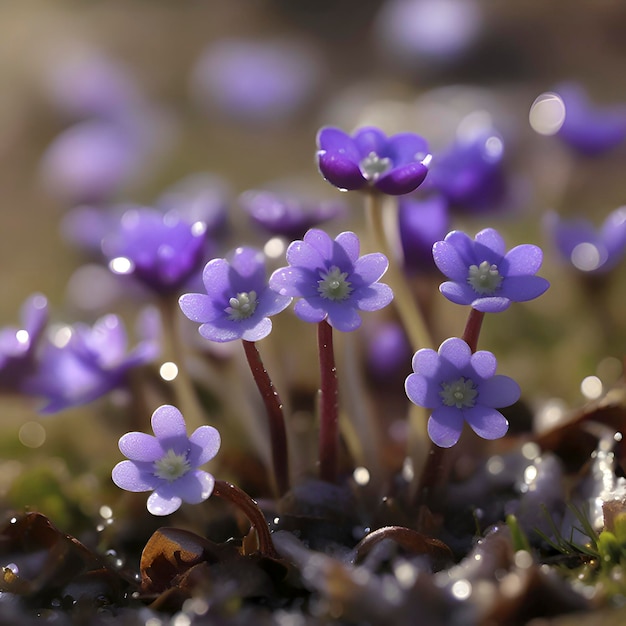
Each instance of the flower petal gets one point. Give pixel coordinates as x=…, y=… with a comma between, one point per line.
x=131, y=477
x=198, y=307
x=490, y=239
x=215, y=278
x=140, y=447
x=425, y=362
x=484, y=363
x=450, y=262
x=491, y=304
x=205, y=442
x=342, y=316
x=455, y=351
x=350, y=243
x=260, y=330
x=406, y=148
x=499, y=391
x=271, y=303
x=168, y=422
x=522, y=260
x=459, y=293
x=294, y=281
x=194, y=487
x=523, y=288
x=330, y=139
x=340, y=171
x=421, y=391
x=486, y=422
x=302, y=254
x=370, y=139
x=310, y=310
x=163, y=501
x=445, y=426
x=373, y=298
x=403, y=179
x=369, y=268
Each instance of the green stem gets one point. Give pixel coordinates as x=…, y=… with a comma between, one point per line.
x=250, y=508
x=275, y=416
x=329, y=406
x=410, y=315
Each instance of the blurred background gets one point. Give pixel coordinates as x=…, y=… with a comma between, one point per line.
x=105, y=102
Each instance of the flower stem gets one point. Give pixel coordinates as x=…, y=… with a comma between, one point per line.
x=329, y=411
x=275, y=416
x=472, y=328
x=184, y=391
x=410, y=315
x=250, y=508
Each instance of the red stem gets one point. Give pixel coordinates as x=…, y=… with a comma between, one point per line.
x=275, y=416
x=243, y=501
x=329, y=409
x=472, y=328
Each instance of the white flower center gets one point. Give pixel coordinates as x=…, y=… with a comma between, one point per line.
x=372, y=166
x=334, y=284
x=460, y=393
x=171, y=466
x=484, y=278
x=242, y=306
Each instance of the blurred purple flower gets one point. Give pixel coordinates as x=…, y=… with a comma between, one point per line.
x=18, y=345
x=460, y=387
x=167, y=464
x=91, y=85
x=395, y=165
x=435, y=30
x=587, y=248
x=238, y=303
x=485, y=276
x=255, y=81
x=79, y=364
x=288, y=213
x=470, y=173
x=388, y=351
x=589, y=129
x=90, y=162
x=161, y=250
x=421, y=223
x=331, y=280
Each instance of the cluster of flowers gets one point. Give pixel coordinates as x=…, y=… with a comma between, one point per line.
x=332, y=283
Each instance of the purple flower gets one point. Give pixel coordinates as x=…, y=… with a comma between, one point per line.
x=421, y=223
x=288, y=213
x=79, y=364
x=460, y=387
x=394, y=165
x=470, y=172
x=18, y=345
x=331, y=280
x=484, y=275
x=388, y=351
x=255, y=81
x=589, y=249
x=160, y=250
x=167, y=464
x=238, y=303
x=588, y=129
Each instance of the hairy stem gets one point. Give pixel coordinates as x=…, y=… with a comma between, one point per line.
x=275, y=416
x=251, y=510
x=329, y=406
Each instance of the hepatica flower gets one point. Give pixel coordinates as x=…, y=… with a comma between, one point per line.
x=459, y=387
x=167, y=464
x=331, y=280
x=485, y=276
x=81, y=363
x=238, y=303
x=160, y=250
x=394, y=165
x=589, y=249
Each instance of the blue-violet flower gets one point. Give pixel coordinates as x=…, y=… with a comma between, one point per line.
x=485, y=276
x=18, y=346
x=460, y=387
x=167, y=464
x=238, y=303
x=589, y=249
x=394, y=165
x=331, y=280
x=79, y=364
x=161, y=250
